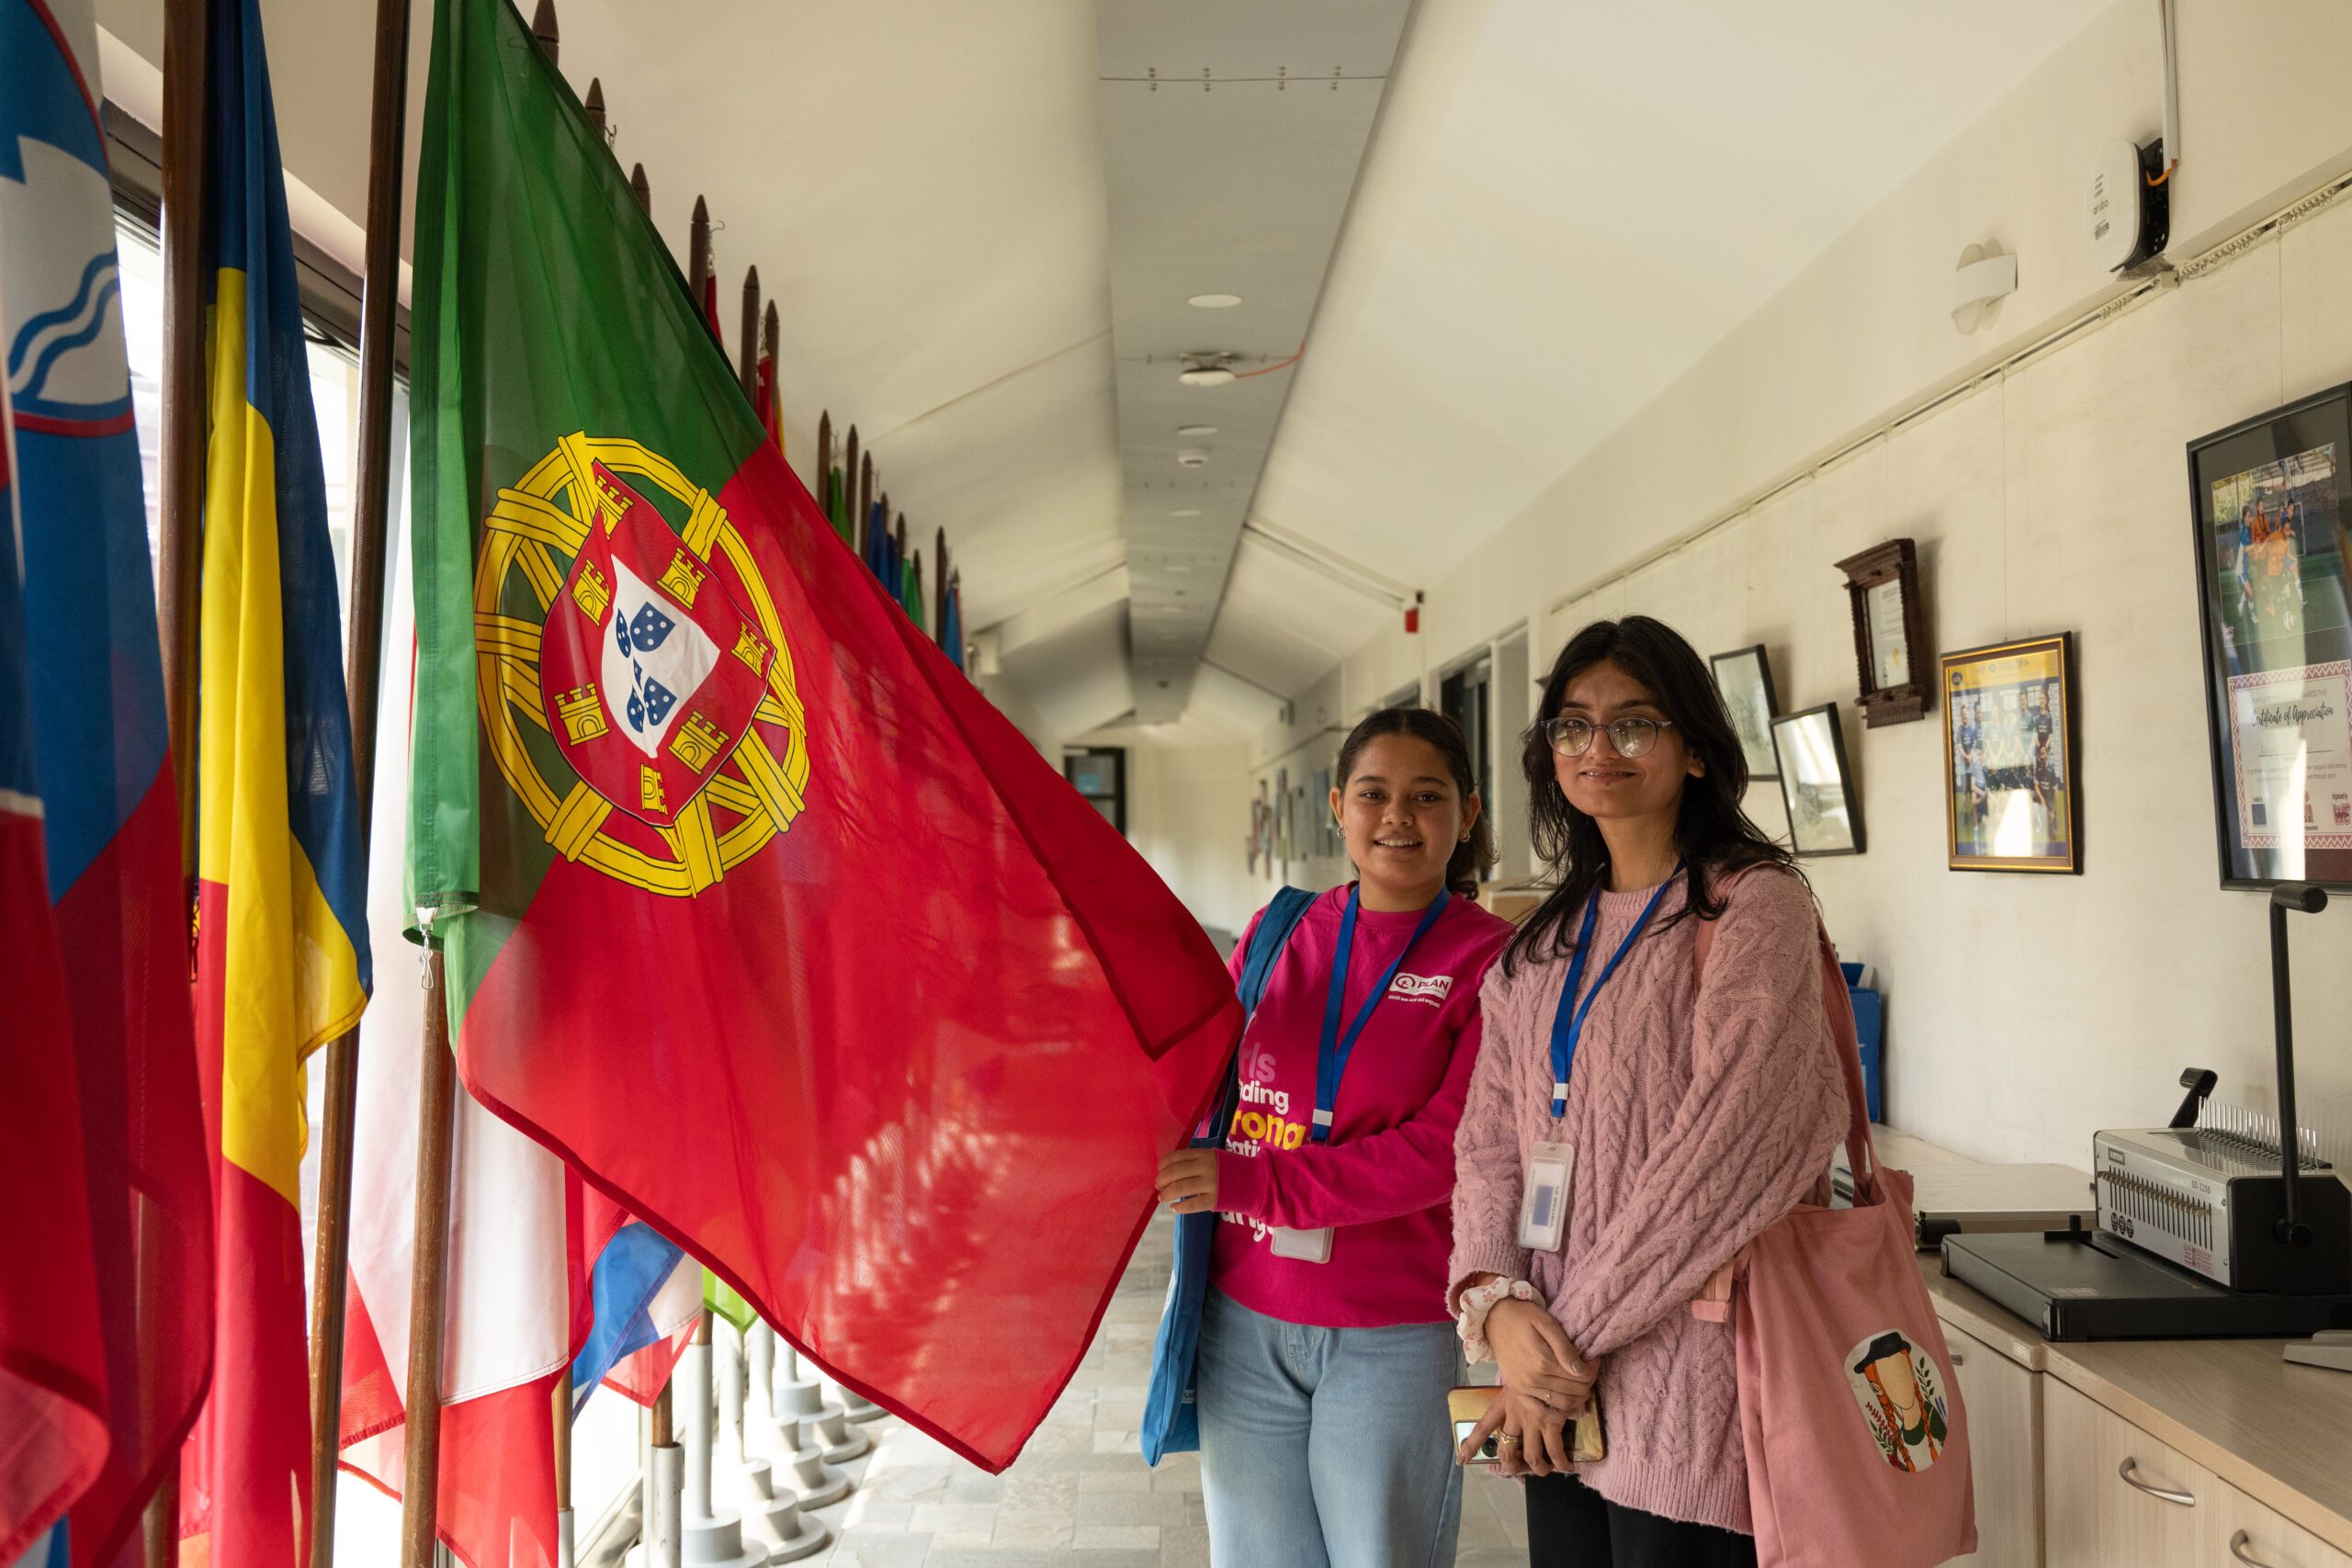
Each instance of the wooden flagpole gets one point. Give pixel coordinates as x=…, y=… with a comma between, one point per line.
x=938, y=588
x=825, y=461
x=594, y=105
x=850, y=499
x=363, y=668
x=770, y=334
x=747, y=358
x=188, y=41
x=642, y=188
x=698, y=261
x=436, y=1108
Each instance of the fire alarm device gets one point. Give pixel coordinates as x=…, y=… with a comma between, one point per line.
x=2129, y=218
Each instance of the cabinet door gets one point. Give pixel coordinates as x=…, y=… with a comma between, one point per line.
x=2004, y=1405
x=2113, y=1496
x=2248, y=1534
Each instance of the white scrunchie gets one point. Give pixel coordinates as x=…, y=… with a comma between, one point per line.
x=1480, y=1300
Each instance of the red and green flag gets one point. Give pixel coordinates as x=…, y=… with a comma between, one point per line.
x=751, y=907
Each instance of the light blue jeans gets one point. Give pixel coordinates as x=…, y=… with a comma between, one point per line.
x=1326, y=1448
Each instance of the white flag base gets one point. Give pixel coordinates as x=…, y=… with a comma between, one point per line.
x=717, y=1542
x=806, y=1471
x=774, y=1522
x=842, y=1441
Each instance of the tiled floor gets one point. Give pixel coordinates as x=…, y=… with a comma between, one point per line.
x=1081, y=1497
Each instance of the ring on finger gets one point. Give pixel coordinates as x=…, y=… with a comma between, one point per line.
x=1507, y=1441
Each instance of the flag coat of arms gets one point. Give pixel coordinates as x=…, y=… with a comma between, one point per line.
x=282, y=955
x=108, y=819
x=751, y=905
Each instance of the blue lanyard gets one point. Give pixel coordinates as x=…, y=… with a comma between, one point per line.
x=1331, y=1057
x=1567, y=1024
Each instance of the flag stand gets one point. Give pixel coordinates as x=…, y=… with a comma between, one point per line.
x=363, y=666
x=188, y=42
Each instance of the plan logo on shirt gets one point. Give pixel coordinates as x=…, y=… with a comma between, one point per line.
x=1430, y=988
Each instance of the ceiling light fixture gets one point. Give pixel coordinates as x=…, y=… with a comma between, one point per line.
x=1191, y=457
x=1209, y=368
x=1196, y=430
x=1214, y=301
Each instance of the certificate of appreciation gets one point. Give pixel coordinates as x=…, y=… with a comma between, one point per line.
x=2291, y=739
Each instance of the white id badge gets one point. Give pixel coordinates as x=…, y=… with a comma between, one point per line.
x=1544, y=1204
x=1308, y=1246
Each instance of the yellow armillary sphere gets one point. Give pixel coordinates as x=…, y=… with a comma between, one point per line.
x=633, y=677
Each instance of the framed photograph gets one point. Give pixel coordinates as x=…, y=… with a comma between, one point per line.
x=1824, y=817
x=2268, y=500
x=2013, y=799
x=1744, y=678
x=1891, y=653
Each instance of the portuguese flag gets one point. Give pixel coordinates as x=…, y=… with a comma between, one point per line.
x=753, y=906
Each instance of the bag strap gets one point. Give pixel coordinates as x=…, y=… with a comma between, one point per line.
x=1838, y=1008
x=1266, y=944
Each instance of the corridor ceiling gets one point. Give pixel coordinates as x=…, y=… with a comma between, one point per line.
x=981, y=248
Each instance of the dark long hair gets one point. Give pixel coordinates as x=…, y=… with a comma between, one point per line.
x=1445, y=736
x=1712, y=834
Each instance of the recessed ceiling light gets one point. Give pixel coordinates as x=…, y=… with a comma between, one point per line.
x=1212, y=376
x=1214, y=301
x=1185, y=512
x=1196, y=430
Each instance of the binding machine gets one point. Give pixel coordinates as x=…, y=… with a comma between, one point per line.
x=2226, y=1223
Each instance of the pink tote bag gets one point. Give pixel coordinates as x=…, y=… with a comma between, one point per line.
x=1855, y=1442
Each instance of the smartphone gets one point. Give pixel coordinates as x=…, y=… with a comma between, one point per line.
x=1465, y=1407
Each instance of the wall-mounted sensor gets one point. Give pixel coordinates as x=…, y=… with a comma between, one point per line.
x=2131, y=219
x=1984, y=279
x=1191, y=457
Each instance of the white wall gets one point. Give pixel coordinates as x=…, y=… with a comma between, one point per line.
x=2024, y=1012
x=1188, y=813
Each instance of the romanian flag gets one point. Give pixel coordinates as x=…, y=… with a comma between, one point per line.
x=99, y=788
x=282, y=962
x=750, y=906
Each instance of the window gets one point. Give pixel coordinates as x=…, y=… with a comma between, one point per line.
x=1463, y=697
x=1099, y=774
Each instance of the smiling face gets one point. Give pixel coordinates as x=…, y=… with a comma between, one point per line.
x=1403, y=816
x=1605, y=783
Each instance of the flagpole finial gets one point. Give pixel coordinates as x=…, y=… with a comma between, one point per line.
x=543, y=29
x=594, y=104
x=748, y=351
x=642, y=190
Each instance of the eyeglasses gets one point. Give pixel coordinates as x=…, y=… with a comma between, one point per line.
x=1630, y=737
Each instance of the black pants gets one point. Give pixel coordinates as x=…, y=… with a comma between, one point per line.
x=1571, y=1526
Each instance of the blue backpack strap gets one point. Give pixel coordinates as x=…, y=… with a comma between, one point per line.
x=1171, y=1422
x=1266, y=944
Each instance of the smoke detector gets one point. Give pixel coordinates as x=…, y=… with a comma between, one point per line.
x=1193, y=456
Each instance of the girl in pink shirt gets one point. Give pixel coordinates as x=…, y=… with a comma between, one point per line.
x=1325, y=1356
x=1701, y=1107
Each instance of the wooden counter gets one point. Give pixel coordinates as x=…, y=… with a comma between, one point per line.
x=2278, y=1432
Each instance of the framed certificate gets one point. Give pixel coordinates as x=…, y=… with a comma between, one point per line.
x=2013, y=801
x=2269, y=502
x=1745, y=678
x=1825, y=818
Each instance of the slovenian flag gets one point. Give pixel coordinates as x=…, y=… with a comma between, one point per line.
x=750, y=906
x=100, y=791
x=282, y=956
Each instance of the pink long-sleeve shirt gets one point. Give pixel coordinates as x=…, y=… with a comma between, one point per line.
x=1384, y=1177
x=1701, y=1110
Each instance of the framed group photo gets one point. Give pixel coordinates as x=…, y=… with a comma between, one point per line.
x=1825, y=814
x=1745, y=678
x=2268, y=497
x=2013, y=799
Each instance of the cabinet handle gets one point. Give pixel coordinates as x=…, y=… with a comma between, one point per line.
x=2128, y=1470
x=2238, y=1550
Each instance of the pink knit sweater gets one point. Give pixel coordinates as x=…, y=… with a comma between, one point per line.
x=1701, y=1112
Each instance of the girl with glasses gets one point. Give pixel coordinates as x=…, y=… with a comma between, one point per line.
x=1324, y=1351
x=1674, y=1113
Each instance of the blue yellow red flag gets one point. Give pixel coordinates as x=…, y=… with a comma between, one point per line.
x=282, y=955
